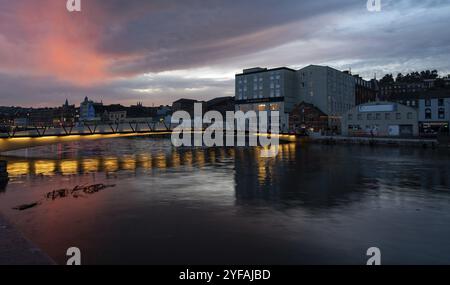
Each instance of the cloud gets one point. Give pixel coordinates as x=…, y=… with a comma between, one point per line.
x=158, y=50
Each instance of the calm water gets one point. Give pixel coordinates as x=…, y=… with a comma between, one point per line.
x=312, y=204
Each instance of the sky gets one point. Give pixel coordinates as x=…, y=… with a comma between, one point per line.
x=157, y=51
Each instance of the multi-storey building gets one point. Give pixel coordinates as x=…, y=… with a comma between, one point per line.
x=434, y=113
x=262, y=89
x=433, y=108
x=280, y=89
x=330, y=90
x=365, y=91
x=390, y=91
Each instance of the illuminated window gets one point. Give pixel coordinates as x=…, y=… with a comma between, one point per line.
x=274, y=107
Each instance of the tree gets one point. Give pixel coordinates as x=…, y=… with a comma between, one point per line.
x=399, y=78
x=387, y=79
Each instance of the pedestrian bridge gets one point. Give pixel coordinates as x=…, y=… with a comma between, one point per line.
x=38, y=136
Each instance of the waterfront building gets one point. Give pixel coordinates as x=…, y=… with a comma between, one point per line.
x=306, y=118
x=87, y=110
x=20, y=122
x=187, y=105
x=385, y=119
x=280, y=89
x=432, y=106
x=330, y=90
x=43, y=117
x=261, y=89
x=68, y=114
x=434, y=112
x=221, y=104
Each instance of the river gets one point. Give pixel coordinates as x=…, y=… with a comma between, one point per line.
x=312, y=204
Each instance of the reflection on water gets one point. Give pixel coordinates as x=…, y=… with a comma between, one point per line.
x=310, y=204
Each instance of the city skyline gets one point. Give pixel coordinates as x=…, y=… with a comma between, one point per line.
x=141, y=52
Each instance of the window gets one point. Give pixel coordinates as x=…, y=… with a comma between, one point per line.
x=369, y=117
x=350, y=117
x=274, y=107
x=359, y=117
x=409, y=116
x=387, y=116
x=441, y=102
x=428, y=102
x=428, y=113
x=378, y=116
x=441, y=113
x=398, y=116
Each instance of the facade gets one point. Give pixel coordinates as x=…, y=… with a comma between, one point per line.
x=306, y=118
x=261, y=89
x=43, y=117
x=221, y=104
x=68, y=114
x=330, y=90
x=384, y=119
x=187, y=105
x=87, y=110
x=117, y=117
x=280, y=89
x=434, y=115
x=389, y=92
x=432, y=106
x=365, y=91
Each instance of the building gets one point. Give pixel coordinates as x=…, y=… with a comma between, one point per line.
x=306, y=118
x=261, y=89
x=68, y=114
x=365, y=91
x=432, y=106
x=385, y=119
x=388, y=92
x=434, y=113
x=87, y=110
x=43, y=117
x=187, y=105
x=330, y=90
x=221, y=104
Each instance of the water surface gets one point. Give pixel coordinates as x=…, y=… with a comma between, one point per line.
x=312, y=204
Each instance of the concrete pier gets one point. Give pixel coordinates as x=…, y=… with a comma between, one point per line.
x=15, y=249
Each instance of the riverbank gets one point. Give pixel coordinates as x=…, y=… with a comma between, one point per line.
x=415, y=142
x=15, y=249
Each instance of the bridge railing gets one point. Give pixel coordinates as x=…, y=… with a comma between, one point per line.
x=87, y=128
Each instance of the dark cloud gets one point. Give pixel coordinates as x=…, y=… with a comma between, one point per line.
x=47, y=54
